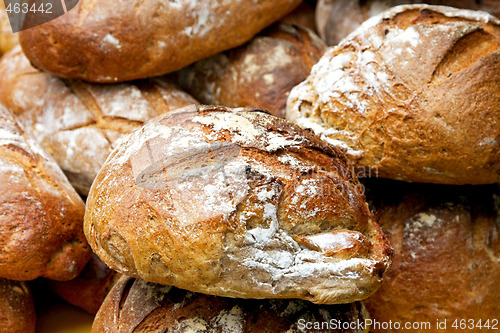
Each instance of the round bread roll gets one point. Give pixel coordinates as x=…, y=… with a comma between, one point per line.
x=447, y=262
x=235, y=202
x=8, y=40
x=412, y=94
x=115, y=41
x=89, y=289
x=41, y=215
x=338, y=18
x=260, y=73
x=137, y=306
x=17, y=312
x=78, y=123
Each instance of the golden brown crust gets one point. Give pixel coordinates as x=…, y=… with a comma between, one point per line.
x=41, y=215
x=17, y=312
x=79, y=123
x=447, y=244
x=413, y=93
x=8, y=40
x=89, y=289
x=110, y=41
x=209, y=199
x=137, y=306
x=338, y=18
x=258, y=74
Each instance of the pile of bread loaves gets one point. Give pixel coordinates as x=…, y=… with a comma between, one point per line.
x=192, y=166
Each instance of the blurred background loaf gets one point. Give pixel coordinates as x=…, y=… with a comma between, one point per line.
x=17, y=312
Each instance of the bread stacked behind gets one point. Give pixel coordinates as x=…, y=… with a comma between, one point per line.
x=17, y=312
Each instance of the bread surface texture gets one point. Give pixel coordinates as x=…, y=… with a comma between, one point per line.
x=116, y=41
x=235, y=202
x=76, y=122
x=413, y=94
x=17, y=312
x=8, y=40
x=41, y=215
x=136, y=306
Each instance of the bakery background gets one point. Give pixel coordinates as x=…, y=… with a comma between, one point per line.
x=412, y=94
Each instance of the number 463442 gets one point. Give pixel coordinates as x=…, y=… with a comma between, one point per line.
x=461, y=324
x=16, y=8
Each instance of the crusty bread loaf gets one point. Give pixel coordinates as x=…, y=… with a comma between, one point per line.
x=137, y=306
x=260, y=73
x=336, y=19
x=413, y=93
x=89, y=289
x=236, y=203
x=41, y=215
x=303, y=15
x=8, y=40
x=112, y=41
x=447, y=244
x=17, y=312
x=79, y=123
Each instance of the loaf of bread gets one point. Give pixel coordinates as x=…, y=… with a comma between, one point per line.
x=137, y=306
x=260, y=73
x=78, y=123
x=238, y=203
x=446, y=266
x=336, y=19
x=114, y=41
x=17, y=312
x=89, y=289
x=41, y=219
x=303, y=15
x=412, y=94
x=7, y=38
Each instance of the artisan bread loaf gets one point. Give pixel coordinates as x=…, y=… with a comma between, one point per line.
x=235, y=202
x=413, y=93
x=336, y=19
x=112, y=41
x=41, y=215
x=7, y=38
x=17, y=312
x=89, y=289
x=78, y=123
x=260, y=73
x=137, y=306
x=446, y=266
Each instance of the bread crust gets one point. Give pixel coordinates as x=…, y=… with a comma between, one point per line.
x=76, y=122
x=413, y=93
x=41, y=215
x=137, y=306
x=8, y=40
x=110, y=41
x=236, y=203
x=17, y=312
x=260, y=73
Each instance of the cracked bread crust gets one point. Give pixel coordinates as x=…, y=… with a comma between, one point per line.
x=17, y=312
x=137, y=306
x=78, y=123
x=41, y=215
x=413, y=93
x=235, y=202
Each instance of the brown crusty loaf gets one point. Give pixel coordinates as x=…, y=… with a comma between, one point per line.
x=260, y=73
x=89, y=289
x=336, y=19
x=41, y=215
x=447, y=262
x=115, y=41
x=17, y=312
x=7, y=38
x=79, y=123
x=137, y=306
x=235, y=202
x=413, y=93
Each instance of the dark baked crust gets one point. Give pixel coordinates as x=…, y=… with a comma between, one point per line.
x=236, y=203
x=110, y=41
x=17, y=312
x=137, y=306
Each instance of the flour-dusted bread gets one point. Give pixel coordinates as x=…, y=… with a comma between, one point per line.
x=412, y=94
x=447, y=249
x=78, y=123
x=41, y=215
x=17, y=312
x=236, y=203
x=137, y=306
x=336, y=19
x=8, y=40
x=112, y=41
x=258, y=74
